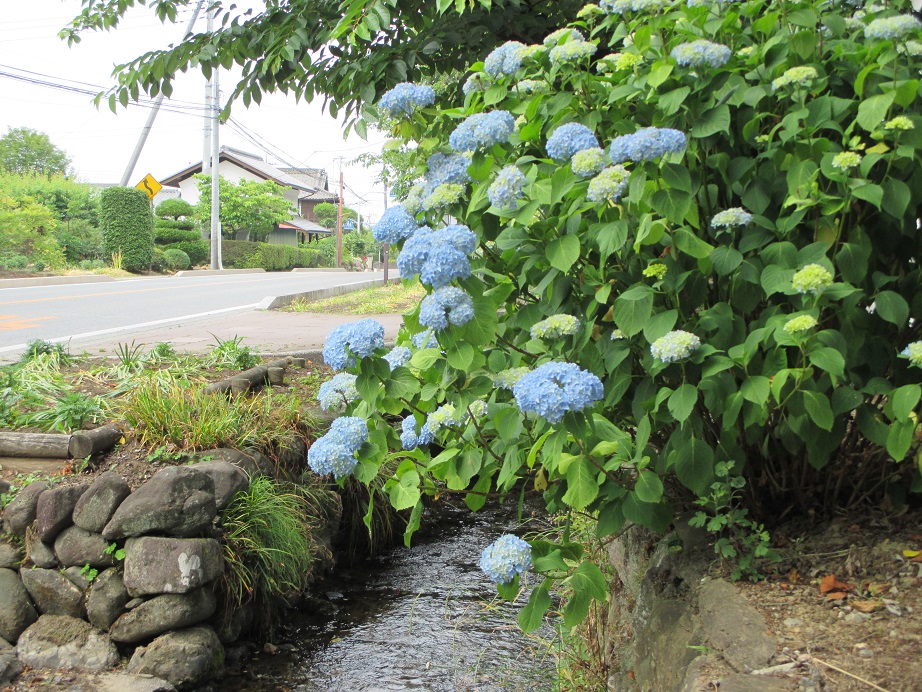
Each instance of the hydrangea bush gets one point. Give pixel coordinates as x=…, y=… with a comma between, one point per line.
x=725, y=204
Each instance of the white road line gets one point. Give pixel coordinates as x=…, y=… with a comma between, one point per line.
x=142, y=325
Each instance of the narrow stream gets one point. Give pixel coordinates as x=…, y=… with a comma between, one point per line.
x=419, y=619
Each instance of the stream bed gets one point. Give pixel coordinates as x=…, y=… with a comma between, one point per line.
x=420, y=619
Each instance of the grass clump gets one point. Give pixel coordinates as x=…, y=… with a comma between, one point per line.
x=40, y=347
x=69, y=413
x=397, y=297
x=231, y=354
x=191, y=419
x=271, y=544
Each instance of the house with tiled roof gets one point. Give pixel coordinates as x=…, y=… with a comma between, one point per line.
x=304, y=188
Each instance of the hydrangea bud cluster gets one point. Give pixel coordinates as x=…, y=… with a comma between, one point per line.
x=395, y=224
x=914, y=353
x=425, y=339
x=476, y=83
x=532, y=86
x=505, y=558
x=446, y=415
x=482, y=130
x=845, y=160
x=730, y=218
x=900, y=122
x=348, y=341
x=572, y=51
x=656, y=270
x=568, y=139
x=552, y=389
x=405, y=98
x=701, y=53
x=410, y=439
x=647, y=144
x=676, y=345
x=506, y=188
x=589, y=162
x=447, y=305
x=413, y=202
x=802, y=75
x=609, y=185
x=505, y=60
x=564, y=35
x=442, y=196
x=801, y=323
x=335, y=452
x=892, y=27
x=812, y=279
x=615, y=62
x=438, y=256
x=555, y=327
x=338, y=391
x=398, y=356
x=622, y=6
x=617, y=335
x=506, y=379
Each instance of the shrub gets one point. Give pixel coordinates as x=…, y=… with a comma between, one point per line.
x=716, y=304
x=236, y=253
x=127, y=226
x=199, y=251
x=16, y=262
x=96, y=264
x=158, y=261
x=80, y=247
x=176, y=260
x=174, y=209
x=168, y=235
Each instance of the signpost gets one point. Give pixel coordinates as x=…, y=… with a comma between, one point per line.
x=150, y=186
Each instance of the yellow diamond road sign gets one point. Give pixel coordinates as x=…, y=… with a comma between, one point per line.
x=150, y=186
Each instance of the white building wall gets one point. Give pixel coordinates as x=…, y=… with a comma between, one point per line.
x=188, y=188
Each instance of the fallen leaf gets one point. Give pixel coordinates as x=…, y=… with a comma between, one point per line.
x=917, y=558
x=912, y=553
x=876, y=587
x=836, y=596
x=830, y=583
x=865, y=606
x=794, y=576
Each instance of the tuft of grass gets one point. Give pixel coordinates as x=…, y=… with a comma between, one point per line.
x=271, y=543
x=69, y=413
x=191, y=419
x=232, y=355
x=39, y=347
x=399, y=297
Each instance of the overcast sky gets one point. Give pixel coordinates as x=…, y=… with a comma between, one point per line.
x=100, y=142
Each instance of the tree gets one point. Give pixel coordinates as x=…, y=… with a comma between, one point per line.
x=327, y=214
x=174, y=209
x=24, y=151
x=349, y=53
x=247, y=205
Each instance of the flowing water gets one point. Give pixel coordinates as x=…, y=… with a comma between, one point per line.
x=419, y=619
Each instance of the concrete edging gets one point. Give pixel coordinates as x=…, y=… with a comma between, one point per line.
x=217, y=272
x=56, y=280
x=298, y=270
x=275, y=302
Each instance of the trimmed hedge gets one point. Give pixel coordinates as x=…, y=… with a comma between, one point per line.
x=236, y=253
x=174, y=208
x=184, y=224
x=176, y=259
x=245, y=254
x=166, y=235
x=198, y=250
x=126, y=222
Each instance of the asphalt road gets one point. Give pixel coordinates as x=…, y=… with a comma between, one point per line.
x=75, y=311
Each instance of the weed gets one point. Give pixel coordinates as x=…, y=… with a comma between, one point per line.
x=312, y=381
x=115, y=551
x=397, y=297
x=299, y=305
x=117, y=260
x=270, y=543
x=162, y=353
x=129, y=360
x=40, y=347
x=232, y=355
x=165, y=453
x=89, y=573
x=68, y=414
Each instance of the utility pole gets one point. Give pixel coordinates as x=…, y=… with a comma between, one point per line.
x=387, y=247
x=215, y=175
x=136, y=154
x=339, y=219
x=209, y=115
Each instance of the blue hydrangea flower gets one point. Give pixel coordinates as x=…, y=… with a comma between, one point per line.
x=409, y=438
x=647, y=144
x=398, y=356
x=505, y=60
x=568, y=139
x=566, y=35
x=676, y=345
x=622, y=6
x=405, y=98
x=505, y=558
x=448, y=168
x=555, y=327
x=728, y=218
x=507, y=188
x=609, y=185
x=914, y=353
x=425, y=339
x=572, y=51
x=438, y=256
x=476, y=83
x=554, y=388
x=413, y=202
x=447, y=305
x=395, y=224
x=445, y=415
x=482, y=130
x=506, y=379
x=335, y=452
x=588, y=162
x=701, y=52
x=348, y=341
x=338, y=391
x=892, y=27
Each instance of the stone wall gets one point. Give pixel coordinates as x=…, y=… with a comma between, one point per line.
x=154, y=603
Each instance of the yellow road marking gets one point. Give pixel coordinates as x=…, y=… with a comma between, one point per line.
x=9, y=323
